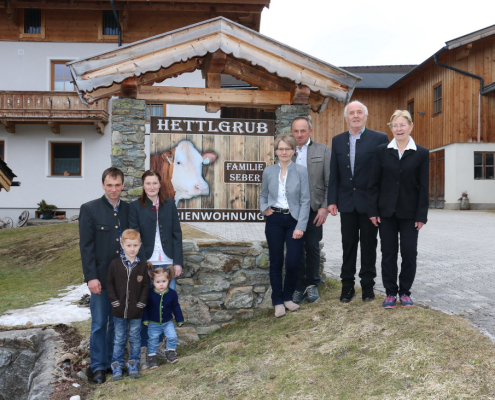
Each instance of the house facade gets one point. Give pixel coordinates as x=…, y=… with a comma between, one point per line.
x=451, y=96
x=58, y=146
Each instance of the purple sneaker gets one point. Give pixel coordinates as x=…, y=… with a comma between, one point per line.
x=405, y=301
x=389, y=302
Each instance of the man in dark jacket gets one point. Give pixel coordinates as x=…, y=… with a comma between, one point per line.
x=350, y=168
x=101, y=223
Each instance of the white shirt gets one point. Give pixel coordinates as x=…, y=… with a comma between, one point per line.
x=282, y=198
x=410, y=146
x=302, y=154
x=159, y=257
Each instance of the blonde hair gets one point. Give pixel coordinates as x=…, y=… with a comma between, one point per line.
x=400, y=113
x=131, y=234
x=287, y=139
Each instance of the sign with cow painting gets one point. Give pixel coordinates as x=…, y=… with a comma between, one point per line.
x=212, y=168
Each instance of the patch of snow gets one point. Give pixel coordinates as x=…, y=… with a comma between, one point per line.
x=59, y=310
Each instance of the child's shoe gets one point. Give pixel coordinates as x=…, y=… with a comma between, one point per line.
x=160, y=353
x=143, y=364
x=171, y=356
x=152, y=362
x=132, y=369
x=116, y=371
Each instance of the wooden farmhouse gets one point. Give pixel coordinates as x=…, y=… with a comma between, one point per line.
x=65, y=71
x=451, y=96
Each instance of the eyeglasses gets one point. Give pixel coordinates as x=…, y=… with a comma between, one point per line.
x=284, y=149
x=396, y=126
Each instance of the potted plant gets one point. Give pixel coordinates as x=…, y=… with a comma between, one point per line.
x=46, y=209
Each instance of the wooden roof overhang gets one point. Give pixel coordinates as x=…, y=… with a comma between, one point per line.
x=217, y=46
x=6, y=177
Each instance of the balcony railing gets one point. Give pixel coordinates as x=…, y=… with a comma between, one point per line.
x=53, y=108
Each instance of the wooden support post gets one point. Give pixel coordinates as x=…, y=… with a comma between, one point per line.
x=299, y=94
x=100, y=127
x=129, y=87
x=55, y=127
x=212, y=69
x=12, y=14
x=9, y=126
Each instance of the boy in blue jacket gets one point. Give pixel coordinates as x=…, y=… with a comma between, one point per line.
x=162, y=303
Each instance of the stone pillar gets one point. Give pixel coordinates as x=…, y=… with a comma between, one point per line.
x=285, y=114
x=128, y=130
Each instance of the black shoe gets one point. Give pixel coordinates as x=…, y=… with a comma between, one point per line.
x=347, y=295
x=368, y=294
x=99, y=376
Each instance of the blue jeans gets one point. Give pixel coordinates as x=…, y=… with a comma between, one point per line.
x=121, y=325
x=144, y=330
x=156, y=332
x=102, y=332
x=278, y=231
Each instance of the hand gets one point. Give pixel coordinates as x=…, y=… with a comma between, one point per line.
x=332, y=209
x=375, y=220
x=418, y=225
x=321, y=217
x=297, y=234
x=268, y=211
x=145, y=323
x=94, y=286
x=177, y=270
x=179, y=325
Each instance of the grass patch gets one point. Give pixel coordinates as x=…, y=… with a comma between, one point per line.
x=37, y=262
x=328, y=351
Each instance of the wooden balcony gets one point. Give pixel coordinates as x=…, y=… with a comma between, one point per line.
x=52, y=108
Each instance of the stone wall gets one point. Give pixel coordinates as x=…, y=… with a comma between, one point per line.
x=128, y=130
x=284, y=115
x=222, y=281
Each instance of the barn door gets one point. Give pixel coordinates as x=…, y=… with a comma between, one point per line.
x=437, y=179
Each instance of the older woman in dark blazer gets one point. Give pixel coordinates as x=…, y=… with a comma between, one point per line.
x=155, y=218
x=285, y=201
x=398, y=204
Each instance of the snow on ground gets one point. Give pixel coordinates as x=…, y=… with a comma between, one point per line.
x=59, y=310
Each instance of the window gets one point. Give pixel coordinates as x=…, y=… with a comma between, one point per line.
x=66, y=158
x=437, y=99
x=155, y=110
x=484, y=165
x=61, y=77
x=410, y=108
x=109, y=26
x=33, y=24
x=2, y=149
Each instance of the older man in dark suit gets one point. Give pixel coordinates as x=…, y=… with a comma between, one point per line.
x=350, y=168
x=101, y=223
x=316, y=158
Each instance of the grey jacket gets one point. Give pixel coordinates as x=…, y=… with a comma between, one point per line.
x=318, y=173
x=297, y=187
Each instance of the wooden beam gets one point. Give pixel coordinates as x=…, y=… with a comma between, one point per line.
x=463, y=52
x=12, y=14
x=256, y=77
x=9, y=126
x=224, y=97
x=172, y=71
x=212, y=68
x=125, y=17
x=130, y=87
x=299, y=94
x=100, y=127
x=4, y=182
x=55, y=127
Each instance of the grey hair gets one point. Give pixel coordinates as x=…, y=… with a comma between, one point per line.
x=355, y=101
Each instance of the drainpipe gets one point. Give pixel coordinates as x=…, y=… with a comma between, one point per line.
x=482, y=84
x=118, y=22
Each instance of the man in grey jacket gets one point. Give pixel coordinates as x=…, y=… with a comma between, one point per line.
x=316, y=158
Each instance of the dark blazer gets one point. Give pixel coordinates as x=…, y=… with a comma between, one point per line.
x=318, y=165
x=345, y=190
x=297, y=194
x=127, y=291
x=143, y=219
x=99, y=237
x=399, y=186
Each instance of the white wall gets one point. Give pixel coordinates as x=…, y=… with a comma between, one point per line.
x=26, y=65
x=459, y=176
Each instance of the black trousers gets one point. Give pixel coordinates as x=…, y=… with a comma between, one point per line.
x=310, y=256
x=357, y=228
x=390, y=230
